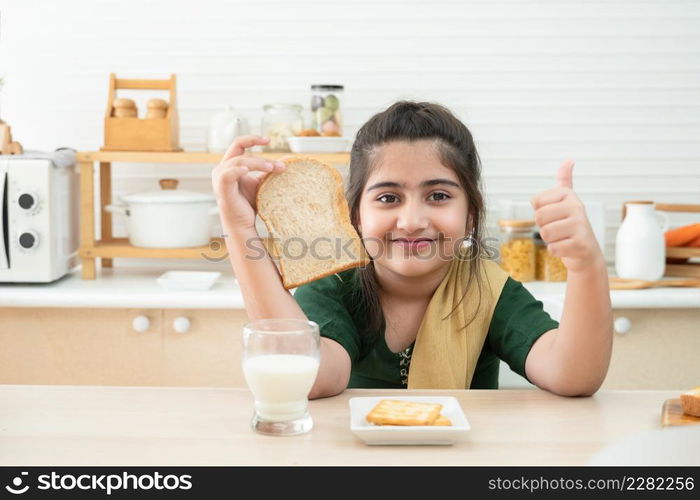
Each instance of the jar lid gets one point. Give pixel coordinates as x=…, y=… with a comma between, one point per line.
x=327, y=87
x=639, y=203
x=168, y=194
x=279, y=106
x=516, y=223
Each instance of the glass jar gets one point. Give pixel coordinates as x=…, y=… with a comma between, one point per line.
x=279, y=122
x=517, y=248
x=325, y=109
x=547, y=266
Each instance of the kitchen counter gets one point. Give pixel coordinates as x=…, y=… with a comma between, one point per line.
x=124, y=287
x=650, y=298
x=73, y=425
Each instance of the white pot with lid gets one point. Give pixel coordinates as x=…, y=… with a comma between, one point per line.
x=169, y=218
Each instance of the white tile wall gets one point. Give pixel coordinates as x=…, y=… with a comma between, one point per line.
x=613, y=84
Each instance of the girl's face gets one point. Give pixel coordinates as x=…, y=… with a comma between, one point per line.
x=413, y=210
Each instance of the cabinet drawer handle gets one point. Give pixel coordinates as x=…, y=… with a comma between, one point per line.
x=181, y=324
x=141, y=324
x=622, y=325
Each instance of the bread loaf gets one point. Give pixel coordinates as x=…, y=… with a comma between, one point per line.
x=307, y=217
x=690, y=402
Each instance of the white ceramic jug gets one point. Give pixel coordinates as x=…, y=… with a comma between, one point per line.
x=640, y=251
x=224, y=127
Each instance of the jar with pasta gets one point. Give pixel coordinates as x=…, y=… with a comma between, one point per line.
x=517, y=249
x=547, y=266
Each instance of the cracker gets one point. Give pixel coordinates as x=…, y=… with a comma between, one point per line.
x=443, y=420
x=394, y=412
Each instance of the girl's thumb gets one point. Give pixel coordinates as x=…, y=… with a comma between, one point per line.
x=565, y=174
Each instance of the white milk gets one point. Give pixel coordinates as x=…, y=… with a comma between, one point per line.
x=280, y=384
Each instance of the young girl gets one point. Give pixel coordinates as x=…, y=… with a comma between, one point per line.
x=428, y=311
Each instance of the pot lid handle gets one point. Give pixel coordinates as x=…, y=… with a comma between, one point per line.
x=168, y=183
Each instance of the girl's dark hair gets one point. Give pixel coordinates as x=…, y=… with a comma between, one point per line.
x=416, y=121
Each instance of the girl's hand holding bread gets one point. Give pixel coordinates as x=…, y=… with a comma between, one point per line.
x=234, y=186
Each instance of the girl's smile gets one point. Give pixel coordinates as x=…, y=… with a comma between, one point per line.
x=413, y=244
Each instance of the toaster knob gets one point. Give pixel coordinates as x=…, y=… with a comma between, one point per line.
x=28, y=240
x=27, y=201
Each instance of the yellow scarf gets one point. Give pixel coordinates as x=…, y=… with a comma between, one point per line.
x=445, y=353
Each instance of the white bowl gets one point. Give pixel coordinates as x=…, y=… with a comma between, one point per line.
x=188, y=280
x=318, y=144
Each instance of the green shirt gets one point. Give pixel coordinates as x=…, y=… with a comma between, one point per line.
x=333, y=302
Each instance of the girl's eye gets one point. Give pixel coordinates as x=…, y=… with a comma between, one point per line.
x=439, y=196
x=387, y=198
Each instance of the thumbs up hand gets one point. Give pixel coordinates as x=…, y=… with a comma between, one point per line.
x=565, y=175
x=563, y=223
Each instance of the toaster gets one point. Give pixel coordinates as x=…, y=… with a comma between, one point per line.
x=39, y=216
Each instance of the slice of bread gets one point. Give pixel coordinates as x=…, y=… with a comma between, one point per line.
x=690, y=402
x=307, y=217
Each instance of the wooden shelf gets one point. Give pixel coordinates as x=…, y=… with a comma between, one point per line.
x=120, y=247
x=682, y=252
x=689, y=269
x=684, y=270
x=194, y=157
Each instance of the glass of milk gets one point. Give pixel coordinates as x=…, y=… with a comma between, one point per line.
x=280, y=363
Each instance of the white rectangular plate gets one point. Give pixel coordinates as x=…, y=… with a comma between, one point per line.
x=188, y=280
x=404, y=434
x=318, y=144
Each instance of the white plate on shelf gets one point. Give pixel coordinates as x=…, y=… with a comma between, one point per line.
x=188, y=280
x=318, y=144
x=404, y=434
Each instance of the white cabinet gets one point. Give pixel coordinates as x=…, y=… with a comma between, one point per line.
x=655, y=349
x=660, y=348
x=121, y=346
x=652, y=349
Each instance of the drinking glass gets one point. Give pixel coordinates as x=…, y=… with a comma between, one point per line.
x=280, y=363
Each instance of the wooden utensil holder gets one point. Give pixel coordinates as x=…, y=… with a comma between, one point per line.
x=142, y=134
x=689, y=269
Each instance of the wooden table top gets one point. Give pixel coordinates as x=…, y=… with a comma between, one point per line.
x=88, y=425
